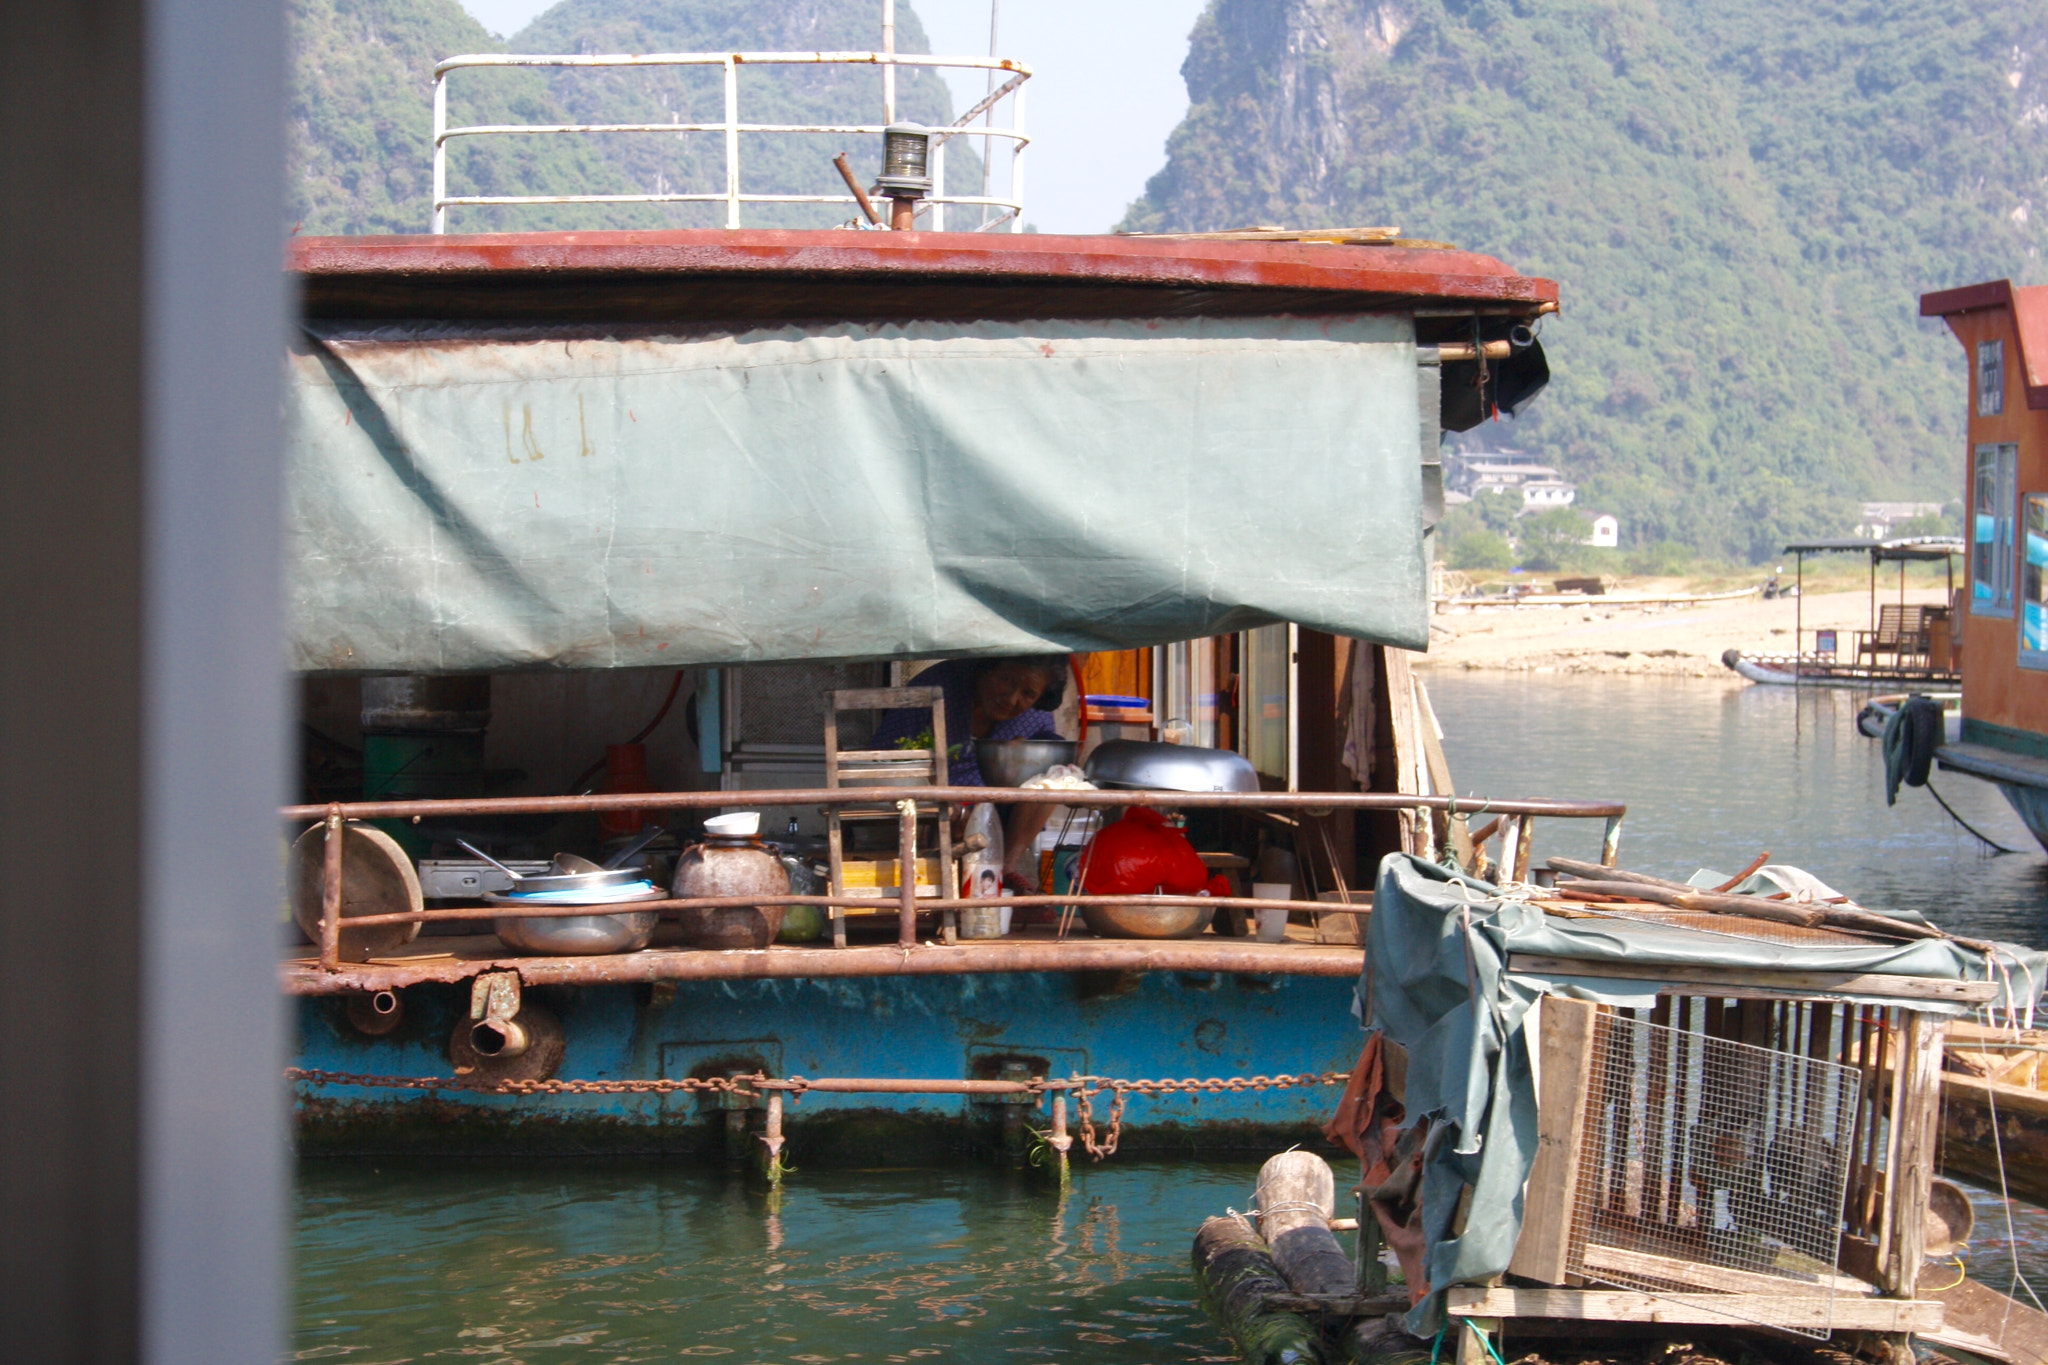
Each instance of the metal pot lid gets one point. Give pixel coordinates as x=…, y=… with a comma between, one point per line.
x=1143, y=765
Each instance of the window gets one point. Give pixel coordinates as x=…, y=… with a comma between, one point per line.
x=1991, y=531
x=1990, y=378
x=1265, y=689
x=1191, y=690
x=2034, y=583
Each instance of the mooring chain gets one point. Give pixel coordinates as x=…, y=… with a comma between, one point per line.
x=1083, y=1089
x=1086, y=1087
x=663, y=1086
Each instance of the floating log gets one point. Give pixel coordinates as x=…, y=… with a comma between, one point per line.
x=1297, y=1195
x=1235, y=1272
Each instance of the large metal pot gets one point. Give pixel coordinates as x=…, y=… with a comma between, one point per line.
x=576, y=935
x=1013, y=762
x=1135, y=919
x=731, y=867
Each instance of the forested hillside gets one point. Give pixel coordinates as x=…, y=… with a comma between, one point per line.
x=362, y=113
x=1741, y=200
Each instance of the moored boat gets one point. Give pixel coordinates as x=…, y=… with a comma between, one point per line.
x=746, y=482
x=1994, y=1120
x=2002, y=617
x=1906, y=645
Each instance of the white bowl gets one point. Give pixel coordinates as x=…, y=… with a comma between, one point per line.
x=739, y=824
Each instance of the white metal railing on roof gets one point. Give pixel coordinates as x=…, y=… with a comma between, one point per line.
x=1007, y=210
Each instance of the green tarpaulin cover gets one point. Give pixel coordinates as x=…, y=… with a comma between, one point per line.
x=474, y=498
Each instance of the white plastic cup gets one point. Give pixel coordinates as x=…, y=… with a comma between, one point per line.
x=1272, y=923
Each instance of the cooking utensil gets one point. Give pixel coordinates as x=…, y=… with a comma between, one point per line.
x=376, y=879
x=1141, y=765
x=730, y=867
x=640, y=841
x=571, y=874
x=1135, y=919
x=579, y=935
x=1013, y=762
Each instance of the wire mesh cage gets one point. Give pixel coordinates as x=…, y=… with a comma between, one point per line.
x=1711, y=1165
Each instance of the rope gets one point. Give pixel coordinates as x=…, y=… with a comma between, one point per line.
x=1303, y=1205
x=1982, y=837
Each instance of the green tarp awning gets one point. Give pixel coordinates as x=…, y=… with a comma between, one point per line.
x=475, y=498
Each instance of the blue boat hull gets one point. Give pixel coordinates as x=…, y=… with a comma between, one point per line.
x=1153, y=1025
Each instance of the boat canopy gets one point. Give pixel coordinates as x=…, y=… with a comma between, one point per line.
x=1884, y=551
x=474, y=495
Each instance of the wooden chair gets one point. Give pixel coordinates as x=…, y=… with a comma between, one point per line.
x=1901, y=634
x=887, y=768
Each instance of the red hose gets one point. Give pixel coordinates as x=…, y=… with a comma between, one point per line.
x=1081, y=695
x=645, y=730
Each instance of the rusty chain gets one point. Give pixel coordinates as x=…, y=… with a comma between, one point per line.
x=1083, y=1089
x=1122, y=1090
x=664, y=1086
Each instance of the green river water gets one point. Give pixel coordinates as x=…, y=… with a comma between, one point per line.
x=511, y=1262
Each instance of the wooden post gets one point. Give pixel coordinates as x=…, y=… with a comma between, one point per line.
x=1917, y=1104
x=1372, y=1271
x=835, y=856
x=1610, y=843
x=1565, y=1038
x=1512, y=854
x=906, y=874
x=1297, y=1195
x=330, y=892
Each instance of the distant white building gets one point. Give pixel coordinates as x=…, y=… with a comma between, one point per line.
x=1515, y=472
x=1606, y=531
x=1880, y=517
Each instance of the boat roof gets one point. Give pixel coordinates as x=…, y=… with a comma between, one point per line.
x=771, y=275
x=2029, y=307
x=1928, y=547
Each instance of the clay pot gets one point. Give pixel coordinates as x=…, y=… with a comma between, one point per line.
x=731, y=867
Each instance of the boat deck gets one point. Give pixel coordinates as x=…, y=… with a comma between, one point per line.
x=2000, y=765
x=1033, y=949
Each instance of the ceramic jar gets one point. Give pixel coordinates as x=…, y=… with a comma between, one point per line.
x=731, y=867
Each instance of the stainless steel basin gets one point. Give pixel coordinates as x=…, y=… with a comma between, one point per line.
x=1013, y=762
x=577, y=935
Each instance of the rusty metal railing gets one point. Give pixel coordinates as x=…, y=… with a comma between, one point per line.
x=1517, y=817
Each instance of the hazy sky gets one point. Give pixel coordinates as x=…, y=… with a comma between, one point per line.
x=1105, y=89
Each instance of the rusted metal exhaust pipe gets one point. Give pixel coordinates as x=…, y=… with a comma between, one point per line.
x=495, y=1037
x=376, y=1014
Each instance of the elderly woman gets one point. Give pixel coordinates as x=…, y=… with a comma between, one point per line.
x=1002, y=698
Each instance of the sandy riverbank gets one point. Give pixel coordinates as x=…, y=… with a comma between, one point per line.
x=1678, y=641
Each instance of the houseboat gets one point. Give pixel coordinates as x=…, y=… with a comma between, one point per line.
x=2002, y=619
x=602, y=538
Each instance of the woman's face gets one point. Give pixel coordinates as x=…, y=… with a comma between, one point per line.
x=1009, y=690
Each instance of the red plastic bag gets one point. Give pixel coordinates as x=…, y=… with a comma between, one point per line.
x=1140, y=855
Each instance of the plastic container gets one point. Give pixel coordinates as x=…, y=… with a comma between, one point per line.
x=984, y=921
x=1272, y=923
x=625, y=770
